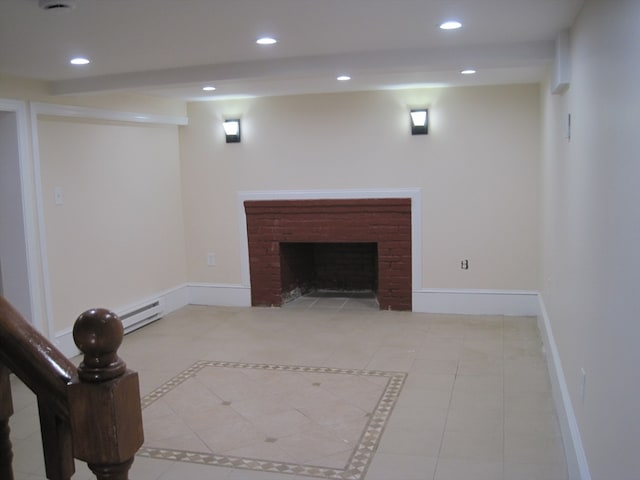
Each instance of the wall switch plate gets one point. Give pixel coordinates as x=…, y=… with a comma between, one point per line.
x=211, y=259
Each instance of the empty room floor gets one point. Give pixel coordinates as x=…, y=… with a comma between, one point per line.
x=331, y=387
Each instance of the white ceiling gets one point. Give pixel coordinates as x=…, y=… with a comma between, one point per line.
x=175, y=47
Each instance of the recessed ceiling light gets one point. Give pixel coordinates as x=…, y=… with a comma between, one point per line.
x=468, y=71
x=343, y=78
x=450, y=25
x=266, y=41
x=208, y=88
x=79, y=61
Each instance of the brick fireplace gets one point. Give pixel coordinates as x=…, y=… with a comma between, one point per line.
x=373, y=232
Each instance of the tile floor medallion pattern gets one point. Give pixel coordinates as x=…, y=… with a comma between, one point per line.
x=309, y=421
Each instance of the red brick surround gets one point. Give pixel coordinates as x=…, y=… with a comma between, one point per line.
x=386, y=222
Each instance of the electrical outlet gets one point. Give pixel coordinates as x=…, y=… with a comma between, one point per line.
x=211, y=259
x=464, y=264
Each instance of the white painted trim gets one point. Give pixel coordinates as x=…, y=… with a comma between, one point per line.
x=416, y=218
x=102, y=114
x=472, y=302
x=170, y=300
x=42, y=237
x=476, y=302
x=29, y=208
x=219, y=295
x=174, y=299
x=577, y=464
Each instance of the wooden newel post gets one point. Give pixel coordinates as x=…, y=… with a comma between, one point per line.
x=106, y=416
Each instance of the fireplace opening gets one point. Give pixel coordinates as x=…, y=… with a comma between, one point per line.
x=307, y=267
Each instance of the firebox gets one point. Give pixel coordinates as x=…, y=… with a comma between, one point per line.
x=298, y=244
x=342, y=267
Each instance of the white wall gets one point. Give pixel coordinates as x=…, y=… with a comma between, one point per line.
x=118, y=237
x=478, y=171
x=591, y=233
x=13, y=253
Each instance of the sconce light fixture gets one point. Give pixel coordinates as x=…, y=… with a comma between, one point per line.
x=419, y=121
x=232, y=130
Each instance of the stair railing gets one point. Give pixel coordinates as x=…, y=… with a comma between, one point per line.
x=91, y=412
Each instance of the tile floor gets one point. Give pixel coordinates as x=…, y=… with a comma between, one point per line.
x=386, y=396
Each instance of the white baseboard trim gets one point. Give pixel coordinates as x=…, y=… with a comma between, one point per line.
x=476, y=302
x=577, y=465
x=223, y=295
x=170, y=301
x=174, y=299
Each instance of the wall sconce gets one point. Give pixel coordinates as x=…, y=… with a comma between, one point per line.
x=232, y=130
x=419, y=121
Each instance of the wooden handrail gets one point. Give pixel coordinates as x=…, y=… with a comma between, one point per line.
x=34, y=359
x=91, y=413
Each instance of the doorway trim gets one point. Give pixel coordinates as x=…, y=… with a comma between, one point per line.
x=29, y=209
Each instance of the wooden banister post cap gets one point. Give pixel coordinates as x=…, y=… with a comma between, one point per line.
x=98, y=333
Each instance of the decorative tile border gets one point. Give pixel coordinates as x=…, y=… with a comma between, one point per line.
x=358, y=462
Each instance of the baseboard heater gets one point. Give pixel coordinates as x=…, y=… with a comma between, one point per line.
x=140, y=316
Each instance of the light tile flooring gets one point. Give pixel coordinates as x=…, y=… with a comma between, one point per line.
x=387, y=396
